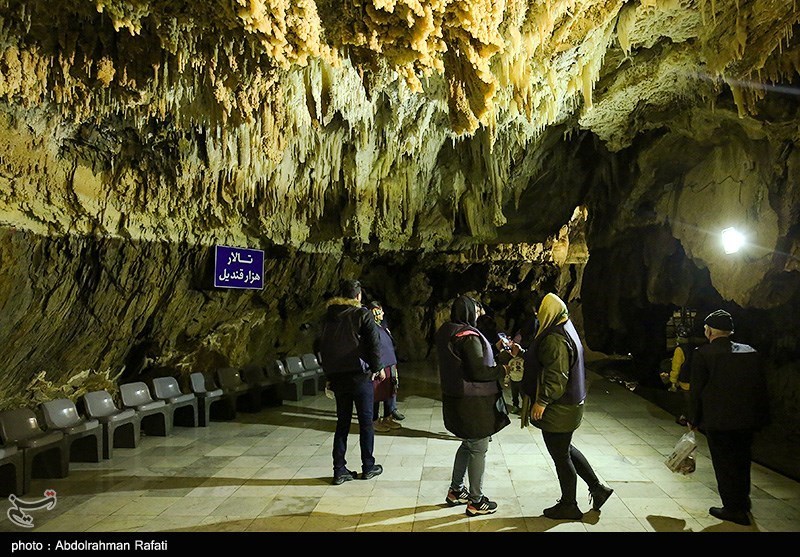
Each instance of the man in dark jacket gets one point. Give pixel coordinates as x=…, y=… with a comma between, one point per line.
x=728, y=401
x=349, y=345
x=472, y=402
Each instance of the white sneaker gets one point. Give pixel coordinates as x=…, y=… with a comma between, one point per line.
x=390, y=423
x=380, y=427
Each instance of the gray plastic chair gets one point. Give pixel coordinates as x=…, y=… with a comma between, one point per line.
x=291, y=389
x=84, y=436
x=44, y=453
x=265, y=390
x=184, y=405
x=311, y=364
x=230, y=381
x=298, y=374
x=215, y=403
x=121, y=427
x=155, y=415
x=12, y=471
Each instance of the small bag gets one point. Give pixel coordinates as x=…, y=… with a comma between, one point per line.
x=682, y=457
x=516, y=366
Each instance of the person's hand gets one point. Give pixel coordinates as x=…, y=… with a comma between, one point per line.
x=537, y=411
x=380, y=376
x=515, y=349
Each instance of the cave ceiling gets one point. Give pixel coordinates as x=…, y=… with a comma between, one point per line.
x=436, y=126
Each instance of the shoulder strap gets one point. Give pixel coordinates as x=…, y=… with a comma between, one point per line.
x=465, y=333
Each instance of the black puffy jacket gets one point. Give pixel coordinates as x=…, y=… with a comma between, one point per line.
x=349, y=340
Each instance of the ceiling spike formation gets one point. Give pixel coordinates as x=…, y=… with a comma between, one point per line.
x=292, y=117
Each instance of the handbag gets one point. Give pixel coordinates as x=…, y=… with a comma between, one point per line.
x=682, y=457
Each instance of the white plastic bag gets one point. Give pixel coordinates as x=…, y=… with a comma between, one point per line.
x=682, y=457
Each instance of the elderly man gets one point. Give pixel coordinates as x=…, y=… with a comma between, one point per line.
x=728, y=401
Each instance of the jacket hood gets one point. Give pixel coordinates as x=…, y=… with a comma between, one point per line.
x=335, y=307
x=463, y=311
x=339, y=301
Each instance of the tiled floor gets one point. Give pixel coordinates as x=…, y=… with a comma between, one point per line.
x=271, y=471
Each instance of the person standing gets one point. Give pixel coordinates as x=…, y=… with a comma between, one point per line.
x=385, y=390
x=349, y=344
x=554, y=385
x=473, y=408
x=729, y=403
x=680, y=371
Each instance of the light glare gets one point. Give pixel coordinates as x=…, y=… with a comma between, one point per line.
x=732, y=240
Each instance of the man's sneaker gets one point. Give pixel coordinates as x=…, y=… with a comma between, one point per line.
x=457, y=497
x=376, y=470
x=380, y=427
x=563, y=511
x=484, y=506
x=398, y=416
x=599, y=495
x=346, y=477
x=389, y=422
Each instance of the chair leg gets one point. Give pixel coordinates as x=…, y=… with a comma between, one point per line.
x=11, y=478
x=88, y=448
x=157, y=425
x=223, y=409
x=310, y=386
x=125, y=436
x=185, y=416
x=50, y=463
x=292, y=391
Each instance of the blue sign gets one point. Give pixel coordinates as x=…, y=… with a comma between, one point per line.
x=238, y=268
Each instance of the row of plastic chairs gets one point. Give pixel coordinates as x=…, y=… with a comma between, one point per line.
x=30, y=451
x=302, y=376
x=90, y=430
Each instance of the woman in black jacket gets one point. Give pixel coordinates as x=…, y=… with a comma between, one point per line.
x=472, y=402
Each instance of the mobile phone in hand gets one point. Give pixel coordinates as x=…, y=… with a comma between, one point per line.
x=505, y=340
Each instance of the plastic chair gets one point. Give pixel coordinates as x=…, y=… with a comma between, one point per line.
x=291, y=389
x=155, y=415
x=184, y=405
x=12, y=471
x=121, y=427
x=84, y=436
x=230, y=381
x=299, y=374
x=311, y=364
x=215, y=403
x=264, y=389
x=44, y=453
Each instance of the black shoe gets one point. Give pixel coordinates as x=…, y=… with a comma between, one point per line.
x=460, y=497
x=563, y=511
x=346, y=477
x=731, y=516
x=484, y=506
x=376, y=470
x=398, y=416
x=599, y=495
